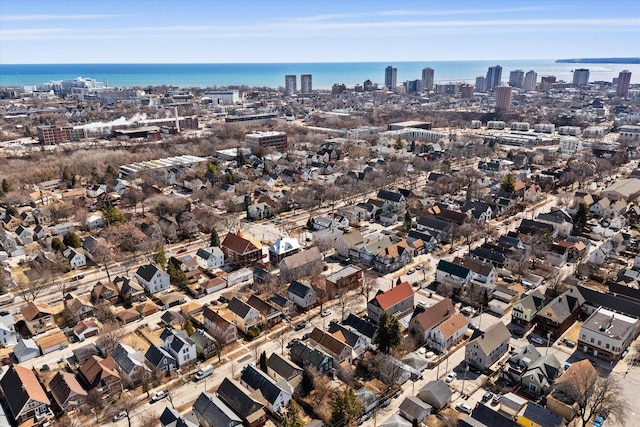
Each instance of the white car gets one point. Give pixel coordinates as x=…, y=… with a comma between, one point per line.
x=326, y=313
x=120, y=415
x=159, y=396
x=463, y=407
x=538, y=340
x=452, y=376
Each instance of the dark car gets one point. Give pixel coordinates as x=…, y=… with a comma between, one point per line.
x=306, y=336
x=182, y=250
x=300, y=326
x=223, y=299
x=517, y=333
x=487, y=396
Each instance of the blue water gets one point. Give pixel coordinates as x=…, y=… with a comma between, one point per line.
x=272, y=75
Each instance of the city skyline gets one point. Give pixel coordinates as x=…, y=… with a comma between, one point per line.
x=251, y=31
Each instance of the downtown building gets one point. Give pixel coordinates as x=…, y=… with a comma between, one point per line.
x=427, y=78
x=516, y=78
x=481, y=84
x=494, y=77
x=290, y=84
x=271, y=139
x=530, y=80
x=390, y=77
x=622, y=87
x=580, y=77
x=306, y=84
x=503, y=98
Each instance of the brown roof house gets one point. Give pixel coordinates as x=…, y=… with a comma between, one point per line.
x=396, y=302
x=339, y=350
x=107, y=292
x=569, y=386
x=245, y=317
x=448, y=333
x=239, y=251
x=38, y=317
x=425, y=320
x=486, y=349
x=101, y=374
x=25, y=398
x=270, y=314
x=557, y=316
x=67, y=391
x=219, y=327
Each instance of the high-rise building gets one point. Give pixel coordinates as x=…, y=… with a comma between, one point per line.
x=481, y=84
x=494, y=77
x=580, y=77
x=306, y=83
x=624, y=79
x=516, y=78
x=530, y=81
x=427, y=78
x=466, y=91
x=390, y=77
x=290, y=84
x=503, y=98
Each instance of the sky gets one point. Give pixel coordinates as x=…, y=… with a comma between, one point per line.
x=247, y=31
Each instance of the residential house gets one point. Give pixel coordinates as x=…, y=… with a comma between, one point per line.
x=348, y=245
x=152, y=278
x=210, y=259
x=8, y=335
x=557, y=316
x=172, y=418
x=212, y=412
x=395, y=420
x=541, y=374
x=104, y=292
x=487, y=348
x=339, y=350
x=484, y=416
x=345, y=334
x=67, y=391
x=245, y=317
x=275, y=393
x=301, y=294
x=534, y=415
x=38, y=317
x=363, y=328
x=24, y=234
x=78, y=306
x=280, y=368
x=436, y=393
x=447, y=333
x=128, y=315
x=283, y=304
x=205, y=343
x=615, y=209
x=26, y=400
x=393, y=199
x=52, y=341
x=101, y=374
x=75, y=257
x=598, y=208
x=414, y=410
x=269, y=314
x=301, y=264
x=368, y=398
x=482, y=273
x=561, y=399
x=219, y=327
x=25, y=349
x=258, y=211
x=192, y=183
x=393, y=257
x=525, y=310
x=282, y=248
x=424, y=320
x=396, y=302
x=303, y=355
x=211, y=286
x=239, y=251
x=160, y=361
x=179, y=345
x=561, y=222
x=130, y=363
x=347, y=278
x=238, y=398
x=606, y=334
x=86, y=328
x=94, y=247
x=453, y=274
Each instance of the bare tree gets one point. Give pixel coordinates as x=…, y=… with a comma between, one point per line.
x=445, y=289
x=284, y=336
x=28, y=289
x=103, y=256
x=110, y=337
x=125, y=405
x=148, y=419
x=95, y=402
x=594, y=395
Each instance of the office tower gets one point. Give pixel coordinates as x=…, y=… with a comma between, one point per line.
x=427, y=78
x=503, y=98
x=481, y=84
x=494, y=77
x=306, y=83
x=530, y=81
x=466, y=91
x=580, y=77
x=290, y=84
x=624, y=78
x=516, y=78
x=390, y=76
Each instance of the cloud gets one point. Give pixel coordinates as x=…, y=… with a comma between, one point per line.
x=49, y=17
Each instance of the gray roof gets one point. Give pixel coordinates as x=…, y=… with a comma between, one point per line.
x=212, y=409
x=541, y=415
x=302, y=354
x=533, y=301
x=437, y=393
x=239, y=307
x=279, y=300
x=172, y=418
x=350, y=337
x=203, y=254
x=299, y=289
x=156, y=354
x=283, y=367
x=363, y=327
x=258, y=380
x=147, y=271
x=562, y=306
x=390, y=195
x=395, y=420
x=492, y=338
x=414, y=408
x=178, y=339
x=126, y=357
x=489, y=417
x=453, y=269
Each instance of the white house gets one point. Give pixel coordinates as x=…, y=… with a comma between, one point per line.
x=8, y=336
x=456, y=275
x=448, y=332
x=75, y=257
x=152, y=278
x=26, y=349
x=130, y=363
x=245, y=317
x=606, y=334
x=210, y=259
x=301, y=294
x=179, y=345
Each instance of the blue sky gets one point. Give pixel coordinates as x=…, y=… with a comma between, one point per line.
x=144, y=31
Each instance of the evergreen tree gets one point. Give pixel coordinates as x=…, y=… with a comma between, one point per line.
x=6, y=187
x=57, y=245
x=408, y=220
x=263, y=361
x=292, y=417
x=242, y=160
x=71, y=239
x=188, y=327
x=215, y=239
x=389, y=332
x=345, y=408
x=508, y=184
x=159, y=256
x=177, y=276
x=582, y=216
x=113, y=216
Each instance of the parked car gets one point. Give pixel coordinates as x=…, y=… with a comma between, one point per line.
x=159, y=395
x=223, y=299
x=496, y=399
x=569, y=343
x=300, y=326
x=204, y=372
x=120, y=415
x=326, y=313
x=517, y=333
x=463, y=407
x=452, y=376
x=182, y=250
x=306, y=336
x=538, y=340
x=411, y=271
x=598, y=421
